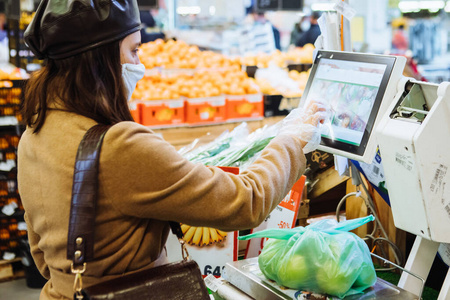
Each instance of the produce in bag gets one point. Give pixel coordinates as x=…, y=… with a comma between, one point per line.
x=322, y=257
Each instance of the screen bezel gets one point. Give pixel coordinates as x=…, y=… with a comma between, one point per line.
x=388, y=61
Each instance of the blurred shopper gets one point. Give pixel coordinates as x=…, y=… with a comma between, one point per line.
x=260, y=18
x=148, y=25
x=310, y=36
x=299, y=28
x=399, y=40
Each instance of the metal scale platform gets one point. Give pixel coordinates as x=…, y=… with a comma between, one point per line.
x=246, y=276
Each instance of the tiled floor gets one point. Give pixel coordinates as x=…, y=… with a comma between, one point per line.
x=17, y=290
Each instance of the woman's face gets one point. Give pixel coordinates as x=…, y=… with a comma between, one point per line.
x=129, y=48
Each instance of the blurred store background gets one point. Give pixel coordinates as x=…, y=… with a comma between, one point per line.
x=243, y=27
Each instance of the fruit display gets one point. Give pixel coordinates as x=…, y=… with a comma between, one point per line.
x=277, y=81
x=8, y=73
x=203, y=83
x=300, y=77
x=202, y=236
x=25, y=19
x=178, y=54
x=297, y=55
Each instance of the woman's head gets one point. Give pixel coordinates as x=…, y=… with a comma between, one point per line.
x=82, y=75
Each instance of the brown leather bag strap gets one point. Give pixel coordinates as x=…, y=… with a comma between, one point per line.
x=80, y=242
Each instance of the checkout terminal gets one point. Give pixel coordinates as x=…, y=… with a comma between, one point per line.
x=372, y=105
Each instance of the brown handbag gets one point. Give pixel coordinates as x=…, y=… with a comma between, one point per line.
x=180, y=280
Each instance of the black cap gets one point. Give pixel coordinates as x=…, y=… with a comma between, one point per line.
x=64, y=28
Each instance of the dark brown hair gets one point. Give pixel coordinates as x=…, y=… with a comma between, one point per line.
x=89, y=84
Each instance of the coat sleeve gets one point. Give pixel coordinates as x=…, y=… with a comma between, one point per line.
x=36, y=253
x=144, y=176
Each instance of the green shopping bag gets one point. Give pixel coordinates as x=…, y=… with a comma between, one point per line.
x=322, y=257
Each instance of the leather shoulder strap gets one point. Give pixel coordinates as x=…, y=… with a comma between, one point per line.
x=80, y=242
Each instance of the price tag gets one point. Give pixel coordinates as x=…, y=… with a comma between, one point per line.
x=9, y=209
x=212, y=283
x=7, y=166
x=8, y=256
x=214, y=270
x=210, y=258
x=22, y=226
x=345, y=9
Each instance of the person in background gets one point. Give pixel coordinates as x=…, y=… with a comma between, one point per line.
x=3, y=32
x=310, y=36
x=261, y=19
x=91, y=69
x=148, y=22
x=299, y=28
x=399, y=40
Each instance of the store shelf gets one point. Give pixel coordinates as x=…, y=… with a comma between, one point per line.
x=7, y=272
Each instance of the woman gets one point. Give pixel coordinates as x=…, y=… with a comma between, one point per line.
x=90, y=48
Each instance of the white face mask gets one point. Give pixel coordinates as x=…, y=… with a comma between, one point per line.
x=131, y=74
x=305, y=26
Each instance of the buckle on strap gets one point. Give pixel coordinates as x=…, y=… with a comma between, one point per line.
x=184, y=251
x=78, y=282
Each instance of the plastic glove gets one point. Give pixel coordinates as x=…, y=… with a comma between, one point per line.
x=305, y=123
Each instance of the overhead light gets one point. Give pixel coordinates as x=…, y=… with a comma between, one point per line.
x=325, y=6
x=212, y=10
x=409, y=6
x=432, y=5
x=189, y=10
x=415, y=6
x=447, y=7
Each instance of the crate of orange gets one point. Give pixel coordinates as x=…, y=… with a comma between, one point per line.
x=158, y=101
x=205, y=110
x=160, y=113
x=135, y=111
x=248, y=106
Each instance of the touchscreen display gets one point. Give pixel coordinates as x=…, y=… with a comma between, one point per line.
x=350, y=88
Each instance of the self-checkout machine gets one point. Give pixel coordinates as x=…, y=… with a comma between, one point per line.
x=360, y=89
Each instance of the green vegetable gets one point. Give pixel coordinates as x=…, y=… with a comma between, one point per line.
x=334, y=280
x=269, y=257
x=295, y=273
x=367, y=277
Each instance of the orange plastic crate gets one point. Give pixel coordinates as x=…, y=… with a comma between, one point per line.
x=245, y=106
x=135, y=111
x=163, y=112
x=206, y=110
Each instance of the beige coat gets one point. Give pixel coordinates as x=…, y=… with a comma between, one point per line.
x=143, y=182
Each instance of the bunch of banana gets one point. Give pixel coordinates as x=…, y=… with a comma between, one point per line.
x=201, y=236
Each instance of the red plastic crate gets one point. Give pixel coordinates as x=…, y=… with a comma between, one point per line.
x=135, y=111
x=249, y=106
x=163, y=112
x=206, y=110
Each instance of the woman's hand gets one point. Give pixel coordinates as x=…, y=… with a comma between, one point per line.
x=305, y=124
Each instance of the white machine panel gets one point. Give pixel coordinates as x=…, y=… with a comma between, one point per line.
x=416, y=161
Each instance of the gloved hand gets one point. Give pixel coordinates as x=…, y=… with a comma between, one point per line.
x=305, y=123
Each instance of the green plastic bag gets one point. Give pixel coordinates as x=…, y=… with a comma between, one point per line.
x=322, y=257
